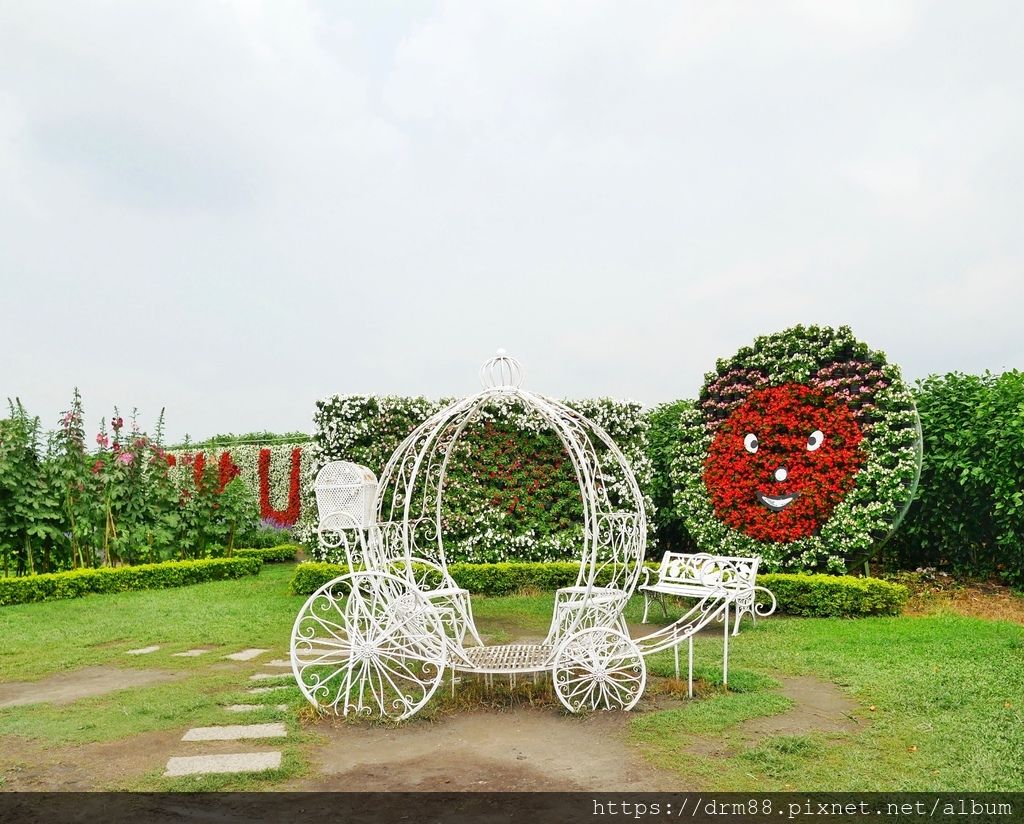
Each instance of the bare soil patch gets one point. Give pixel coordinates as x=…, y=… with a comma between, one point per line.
x=29, y=766
x=521, y=750
x=819, y=707
x=65, y=687
x=988, y=600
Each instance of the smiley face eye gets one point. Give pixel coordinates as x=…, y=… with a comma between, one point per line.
x=750, y=443
x=816, y=438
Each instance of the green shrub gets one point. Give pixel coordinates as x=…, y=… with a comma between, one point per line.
x=823, y=596
x=665, y=440
x=834, y=596
x=968, y=513
x=282, y=554
x=312, y=575
x=79, y=582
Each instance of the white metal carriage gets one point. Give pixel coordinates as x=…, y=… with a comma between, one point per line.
x=378, y=640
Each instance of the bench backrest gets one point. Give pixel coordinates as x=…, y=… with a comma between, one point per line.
x=704, y=569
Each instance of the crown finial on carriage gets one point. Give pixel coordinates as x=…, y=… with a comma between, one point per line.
x=502, y=372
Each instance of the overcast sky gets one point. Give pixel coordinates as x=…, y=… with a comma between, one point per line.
x=232, y=209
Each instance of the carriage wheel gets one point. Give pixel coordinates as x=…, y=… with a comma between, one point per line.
x=599, y=668
x=368, y=644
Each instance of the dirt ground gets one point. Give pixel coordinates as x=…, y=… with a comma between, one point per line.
x=29, y=766
x=542, y=749
x=818, y=706
x=65, y=687
x=977, y=599
x=516, y=750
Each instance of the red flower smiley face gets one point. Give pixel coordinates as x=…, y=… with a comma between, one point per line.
x=780, y=463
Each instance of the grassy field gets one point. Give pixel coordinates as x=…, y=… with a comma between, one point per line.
x=938, y=696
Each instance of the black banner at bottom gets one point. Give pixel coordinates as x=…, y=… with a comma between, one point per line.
x=510, y=808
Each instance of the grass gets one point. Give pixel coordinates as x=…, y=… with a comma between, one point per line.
x=940, y=696
x=946, y=693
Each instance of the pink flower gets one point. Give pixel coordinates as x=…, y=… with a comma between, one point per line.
x=103, y=440
x=125, y=458
x=117, y=423
x=96, y=467
x=69, y=417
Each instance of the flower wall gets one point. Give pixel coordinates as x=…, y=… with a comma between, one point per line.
x=511, y=493
x=279, y=475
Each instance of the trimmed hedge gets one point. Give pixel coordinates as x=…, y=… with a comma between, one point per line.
x=834, y=596
x=281, y=554
x=823, y=596
x=78, y=582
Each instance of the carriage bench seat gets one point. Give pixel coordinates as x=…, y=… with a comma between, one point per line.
x=701, y=574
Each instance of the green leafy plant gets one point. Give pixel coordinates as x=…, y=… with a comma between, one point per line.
x=968, y=514
x=29, y=517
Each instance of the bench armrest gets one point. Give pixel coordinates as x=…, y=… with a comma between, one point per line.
x=645, y=573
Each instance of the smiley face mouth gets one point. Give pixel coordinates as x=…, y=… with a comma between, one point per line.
x=776, y=504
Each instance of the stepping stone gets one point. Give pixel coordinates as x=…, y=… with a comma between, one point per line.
x=278, y=662
x=143, y=651
x=263, y=676
x=254, y=707
x=235, y=732
x=261, y=690
x=190, y=653
x=241, y=762
x=246, y=654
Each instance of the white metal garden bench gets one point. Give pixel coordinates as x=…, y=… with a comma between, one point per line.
x=700, y=574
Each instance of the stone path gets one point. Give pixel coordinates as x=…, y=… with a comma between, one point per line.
x=246, y=654
x=234, y=732
x=254, y=707
x=143, y=651
x=241, y=762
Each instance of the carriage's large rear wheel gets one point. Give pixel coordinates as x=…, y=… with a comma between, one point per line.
x=599, y=669
x=368, y=644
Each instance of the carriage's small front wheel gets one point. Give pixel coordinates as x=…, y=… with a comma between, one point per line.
x=599, y=669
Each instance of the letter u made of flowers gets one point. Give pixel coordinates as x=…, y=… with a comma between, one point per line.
x=804, y=448
x=288, y=516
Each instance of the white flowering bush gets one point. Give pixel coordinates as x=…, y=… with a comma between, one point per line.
x=803, y=448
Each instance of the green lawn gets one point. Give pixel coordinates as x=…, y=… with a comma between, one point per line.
x=947, y=691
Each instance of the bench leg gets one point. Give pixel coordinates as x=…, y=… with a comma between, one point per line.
x=725, y=649
x=689, y=679
x=647, y=603
x=661, y=600
x=739, y=617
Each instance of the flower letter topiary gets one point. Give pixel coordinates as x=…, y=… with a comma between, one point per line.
x=804, y=449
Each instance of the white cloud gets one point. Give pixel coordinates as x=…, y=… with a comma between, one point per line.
x=231, y=208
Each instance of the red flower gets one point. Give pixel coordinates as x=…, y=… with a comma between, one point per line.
x=228, y=470
x=781, y=461
x=198, y=467
x=289, y=515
